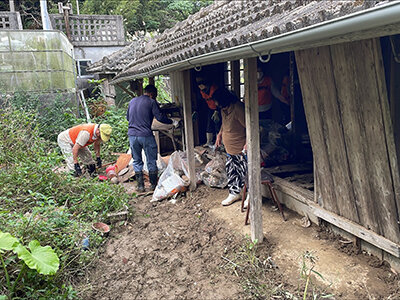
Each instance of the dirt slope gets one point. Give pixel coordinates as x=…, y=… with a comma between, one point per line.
x=179, y=251
x=169, y=251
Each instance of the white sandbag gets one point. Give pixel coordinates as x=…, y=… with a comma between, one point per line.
x=161, y=165
x=214, y=174
x=174, y=179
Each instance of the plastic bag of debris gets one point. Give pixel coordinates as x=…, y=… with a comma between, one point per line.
x=161, y=165
x=174, y=179
x=214, y=174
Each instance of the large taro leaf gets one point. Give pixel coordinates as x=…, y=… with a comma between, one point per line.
x=42, y=259
x=3, y=297
x=7, y=241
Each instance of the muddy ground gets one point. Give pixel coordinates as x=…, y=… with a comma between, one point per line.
x=197, y=249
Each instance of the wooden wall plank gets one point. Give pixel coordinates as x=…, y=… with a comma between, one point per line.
x=349, y=102
x=388, y=129
x=333, y=134
x=395, y=110
x=348, y=115
x=324, y=181
x=293, y=196
x=394, y=96
x=253, y=147
x=376, y=146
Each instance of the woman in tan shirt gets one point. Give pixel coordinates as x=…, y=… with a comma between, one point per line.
x=233, y=135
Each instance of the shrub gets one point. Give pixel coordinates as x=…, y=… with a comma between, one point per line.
x=39, y=204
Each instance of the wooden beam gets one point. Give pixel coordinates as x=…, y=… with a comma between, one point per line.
x=66, y=23
x=151, y=81
x=359, y=231
x=187, y=113
x=140, y=87
x=305, y=197
x=196, y=121
x=125, y=90
x=235, y=76
x=253, y=147
x=291, y=168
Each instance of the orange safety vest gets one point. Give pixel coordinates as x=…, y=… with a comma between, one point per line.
x=285, y=88
x=211, y=104
x=74, y=132
x=264, y=91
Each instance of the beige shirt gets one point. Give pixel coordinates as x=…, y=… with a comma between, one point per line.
x=233, y=128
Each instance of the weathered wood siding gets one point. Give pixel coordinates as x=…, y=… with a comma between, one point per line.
x=348, y=117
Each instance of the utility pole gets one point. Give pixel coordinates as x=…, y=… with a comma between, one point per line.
x=77, y=7
x=12, y=6
x=45, y=15
x=66, y=11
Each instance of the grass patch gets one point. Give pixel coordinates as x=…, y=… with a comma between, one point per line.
x=256, y=271
x=39, y=204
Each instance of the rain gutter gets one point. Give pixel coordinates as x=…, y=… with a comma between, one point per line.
x=382, y=15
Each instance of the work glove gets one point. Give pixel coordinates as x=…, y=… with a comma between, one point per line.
x=78, y=170
x=215, y=117
x=91, y=169
x=98, y=160
x=175, y=123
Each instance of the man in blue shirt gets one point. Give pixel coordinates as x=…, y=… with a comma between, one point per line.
x=141, y=112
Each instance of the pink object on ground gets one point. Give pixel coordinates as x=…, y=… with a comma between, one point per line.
x=102, y=177
x=111, y=172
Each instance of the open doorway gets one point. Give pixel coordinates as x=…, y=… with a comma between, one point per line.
x=284, y=140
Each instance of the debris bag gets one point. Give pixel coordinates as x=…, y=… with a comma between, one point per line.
x=214, y=174
x=161, y=165
x=174, y=179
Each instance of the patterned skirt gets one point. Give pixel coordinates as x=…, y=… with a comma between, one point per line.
x=236, y=169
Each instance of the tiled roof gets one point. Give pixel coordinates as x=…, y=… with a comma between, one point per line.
x=115, y=62
x=228, y=24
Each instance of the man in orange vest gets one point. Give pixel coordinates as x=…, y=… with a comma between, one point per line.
x=74, y=141
x=267, y=89
x=207, y=89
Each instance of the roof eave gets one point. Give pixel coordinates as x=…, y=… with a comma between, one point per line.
x=303, y=38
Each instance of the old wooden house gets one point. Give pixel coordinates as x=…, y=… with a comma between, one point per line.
x=342, y=58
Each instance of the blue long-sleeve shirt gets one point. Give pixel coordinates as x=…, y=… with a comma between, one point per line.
x=141, y=112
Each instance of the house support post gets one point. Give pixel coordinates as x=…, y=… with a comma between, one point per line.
x=140, y=87
x=151, y=81
x=187, y=113
x=181, y=94
x=235, y=75
x=108, y=90
x=253, y=147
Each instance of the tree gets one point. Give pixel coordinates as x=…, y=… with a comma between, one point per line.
x=139, y=15
x=146, y=15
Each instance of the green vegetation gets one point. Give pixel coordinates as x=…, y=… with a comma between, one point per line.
x=139, y=15
x=308, y=261
x=145, y=15
x=255, y=270
x=52, y=208
x=42, y=259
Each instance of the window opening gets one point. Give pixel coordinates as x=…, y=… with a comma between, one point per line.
x=81, y=66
